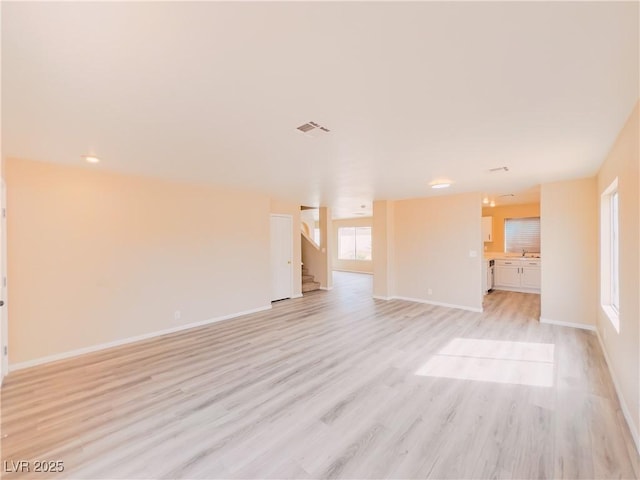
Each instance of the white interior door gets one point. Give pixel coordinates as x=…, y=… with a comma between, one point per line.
x=4, y=330
x=281, y=256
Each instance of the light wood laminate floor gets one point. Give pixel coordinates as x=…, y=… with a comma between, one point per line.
x=332, y=385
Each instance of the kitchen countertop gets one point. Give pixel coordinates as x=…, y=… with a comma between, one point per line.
x=511, y=256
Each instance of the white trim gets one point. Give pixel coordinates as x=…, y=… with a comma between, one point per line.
x=351, y=271
x=297, y=295
x=439, y=304
x=517, y=289
x=4, y=288
x=582, y=326
x=623, y=405
x=124, y=341
x=380, y=297
x=326, y=288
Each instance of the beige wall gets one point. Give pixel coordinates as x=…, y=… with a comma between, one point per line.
x=293, y=209
x=506, y=211
x=383, y=246
x=569, y=231
x=433, y=238
x=623, y=349
x=363, y=266
x=97, y=257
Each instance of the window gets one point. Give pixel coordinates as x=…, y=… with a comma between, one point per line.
x=615, y=261
x=610, y=253
x=522, y=234
x=354, y=243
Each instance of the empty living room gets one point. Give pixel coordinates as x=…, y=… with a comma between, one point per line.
x=320, y=239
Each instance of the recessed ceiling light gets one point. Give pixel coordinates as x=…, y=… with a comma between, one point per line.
x=440, y=185
x=91, y=159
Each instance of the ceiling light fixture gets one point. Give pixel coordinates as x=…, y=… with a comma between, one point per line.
x=485, y=201
x=440, y=185
x=492, y=204
x=91, y=159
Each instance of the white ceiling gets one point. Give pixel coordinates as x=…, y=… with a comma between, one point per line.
x=412, y=92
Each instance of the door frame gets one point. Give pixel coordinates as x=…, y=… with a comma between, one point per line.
x=4, y=310
x=290, y=218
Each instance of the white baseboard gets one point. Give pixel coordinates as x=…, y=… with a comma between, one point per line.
x=351, y=271
x=124, y=341
x=380, y=297
x=297, y=295
x=439, y=304
x=518, y=289
x=582, y=326
x=623, y=405
x=326, y=288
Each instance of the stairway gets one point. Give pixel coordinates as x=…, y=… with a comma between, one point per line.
x=309, y=283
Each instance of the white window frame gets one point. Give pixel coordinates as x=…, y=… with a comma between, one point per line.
x=355, y=234
x=610, y=253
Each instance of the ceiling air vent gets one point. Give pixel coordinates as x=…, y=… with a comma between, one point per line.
x=311, y=128
x=507, y=195
x=306, y=127
x=499, y=169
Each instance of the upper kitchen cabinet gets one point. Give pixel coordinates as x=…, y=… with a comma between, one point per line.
x=487, y=229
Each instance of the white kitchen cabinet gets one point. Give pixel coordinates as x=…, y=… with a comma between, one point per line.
x=520, y=275
x=487, y=229
x=530, y=276
x=507, y=274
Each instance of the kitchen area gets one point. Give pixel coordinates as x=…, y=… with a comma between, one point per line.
x=511, y=238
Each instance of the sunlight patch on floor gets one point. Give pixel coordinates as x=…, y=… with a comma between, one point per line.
x=517, y=363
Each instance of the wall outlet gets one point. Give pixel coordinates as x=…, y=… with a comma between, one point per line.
x=429, y=292
x=177, y=314
x=473, y=253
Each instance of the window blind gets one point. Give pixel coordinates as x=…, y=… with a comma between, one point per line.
x=522, y=234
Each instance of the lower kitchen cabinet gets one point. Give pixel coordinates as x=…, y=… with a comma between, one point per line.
x=520, y=275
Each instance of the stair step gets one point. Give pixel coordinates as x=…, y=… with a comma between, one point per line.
x=308, y=278
x=305, y=271
x=310, y=286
